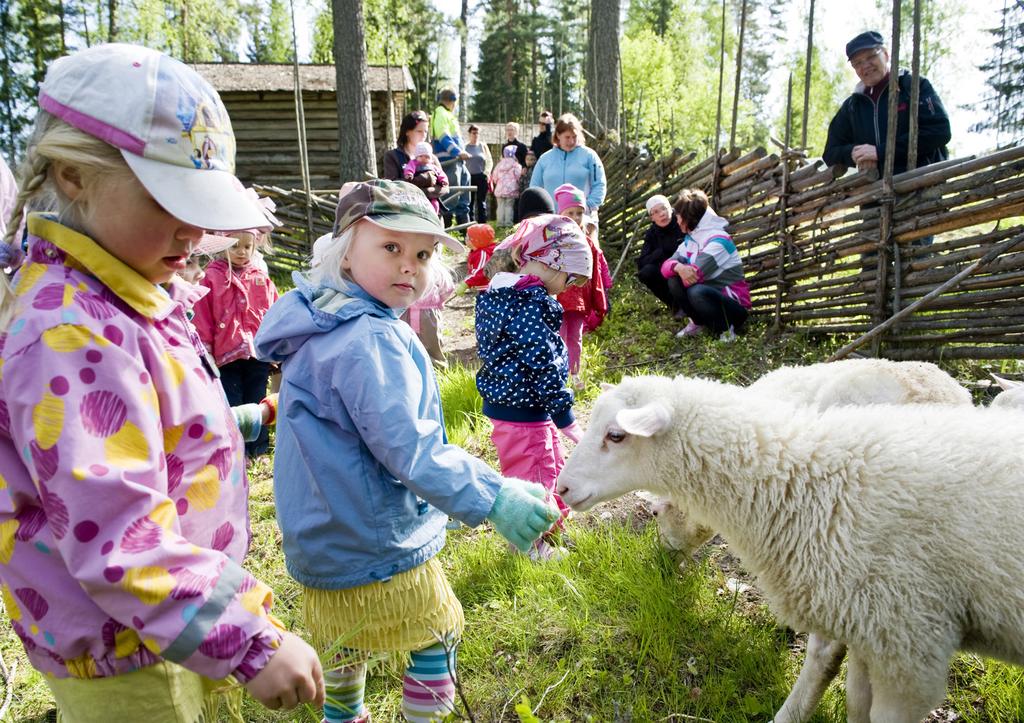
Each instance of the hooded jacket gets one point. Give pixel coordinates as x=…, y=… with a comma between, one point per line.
x=713, y=254
x=860, y=121
x=363, y=472
x=227, y=318
x=581, y=167
x=124, y=521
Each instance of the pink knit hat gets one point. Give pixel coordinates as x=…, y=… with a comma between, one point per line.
x=568, y=196
x=423, y=149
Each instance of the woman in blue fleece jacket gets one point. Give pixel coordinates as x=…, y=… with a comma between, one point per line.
x=570, y=161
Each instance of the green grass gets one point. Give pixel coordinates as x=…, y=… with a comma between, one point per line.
x=613, y=632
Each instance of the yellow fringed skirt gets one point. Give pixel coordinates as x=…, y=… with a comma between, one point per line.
x=412, y=611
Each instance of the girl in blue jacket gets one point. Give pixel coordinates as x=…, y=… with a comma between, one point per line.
x=364, y=478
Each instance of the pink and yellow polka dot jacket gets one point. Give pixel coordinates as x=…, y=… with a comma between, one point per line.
x=123, y=495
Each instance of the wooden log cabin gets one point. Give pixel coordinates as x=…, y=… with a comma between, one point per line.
x=261, y=102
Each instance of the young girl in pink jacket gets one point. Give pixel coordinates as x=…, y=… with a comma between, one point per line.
x=123, y=522
x=227, y=319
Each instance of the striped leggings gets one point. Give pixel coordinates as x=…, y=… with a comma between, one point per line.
x=428, y=688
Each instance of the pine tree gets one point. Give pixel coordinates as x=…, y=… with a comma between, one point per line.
x=406, y=34
x=269, y=31
x=16, y=87
x=503, y=74
x=1005, y=70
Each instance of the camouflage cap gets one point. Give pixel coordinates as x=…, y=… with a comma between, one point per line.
x=394, y=205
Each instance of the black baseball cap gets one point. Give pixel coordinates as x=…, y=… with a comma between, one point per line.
x=865, y=41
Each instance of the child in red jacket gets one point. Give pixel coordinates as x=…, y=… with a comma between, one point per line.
x=481, y=246
x=584, y=306
x=227, y=319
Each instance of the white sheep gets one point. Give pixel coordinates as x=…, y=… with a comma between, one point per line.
x=824, y=385
x=845, y=382
x=1012, y=395
x=862, y=381
x=892, y=530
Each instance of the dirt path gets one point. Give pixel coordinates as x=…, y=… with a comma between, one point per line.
x=457, y=332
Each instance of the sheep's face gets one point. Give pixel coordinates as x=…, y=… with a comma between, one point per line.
x=616, y=453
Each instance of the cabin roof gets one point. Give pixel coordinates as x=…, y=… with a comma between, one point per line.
x=240, y=77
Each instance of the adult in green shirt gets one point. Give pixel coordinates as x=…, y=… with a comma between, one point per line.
x=450, y=150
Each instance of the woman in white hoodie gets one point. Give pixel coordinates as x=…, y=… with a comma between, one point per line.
x=705, y=274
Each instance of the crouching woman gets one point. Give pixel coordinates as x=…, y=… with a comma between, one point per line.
x=705, y=274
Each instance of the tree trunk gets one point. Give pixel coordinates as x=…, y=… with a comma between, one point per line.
x=463, y=70
x=603, y=68
x=111, y=21
x=355, y=126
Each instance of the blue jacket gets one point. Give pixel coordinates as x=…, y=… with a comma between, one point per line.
x=524, y=359
x=363, y=473
x=581, y=167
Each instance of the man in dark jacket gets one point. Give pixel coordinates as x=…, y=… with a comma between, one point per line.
x=541, y=142
x=857, y=133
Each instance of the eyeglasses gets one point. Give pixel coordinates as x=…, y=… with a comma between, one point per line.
x=867, y=60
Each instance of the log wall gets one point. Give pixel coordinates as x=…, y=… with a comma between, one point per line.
x=268, y=140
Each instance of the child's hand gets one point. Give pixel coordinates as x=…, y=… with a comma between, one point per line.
x=268, y=409
x=521, y=512
x=292, y=676
x=572, y=433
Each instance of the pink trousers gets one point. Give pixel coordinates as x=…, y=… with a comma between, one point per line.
x=533, y=452
x=572, y=334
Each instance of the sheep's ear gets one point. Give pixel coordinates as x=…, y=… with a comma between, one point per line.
x=1006, y=383
x=606, y=387
x=644, y=421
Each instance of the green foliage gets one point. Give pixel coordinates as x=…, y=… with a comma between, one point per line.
x=828, y=88
x=407, y=33
x=940, y=30
x=200, y=31
x=17, y=87
x=464, y=421
x=270, y=31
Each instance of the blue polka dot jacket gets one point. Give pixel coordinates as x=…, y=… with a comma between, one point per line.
x=525, y=363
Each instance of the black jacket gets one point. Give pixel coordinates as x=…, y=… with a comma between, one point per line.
x=862, y=121
x=521, y=150
x=394, y=162
x=541, y=142
x=659, y=244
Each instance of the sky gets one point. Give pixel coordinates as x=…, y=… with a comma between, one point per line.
x=836, y=21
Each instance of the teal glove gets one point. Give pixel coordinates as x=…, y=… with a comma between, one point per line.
x=249, y=419
x=521, y=514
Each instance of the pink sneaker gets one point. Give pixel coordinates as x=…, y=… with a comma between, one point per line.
x=691, y=329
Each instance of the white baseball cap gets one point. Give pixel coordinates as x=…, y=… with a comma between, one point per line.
x=168, y=122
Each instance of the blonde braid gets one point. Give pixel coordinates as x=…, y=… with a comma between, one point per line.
x=34, y=172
